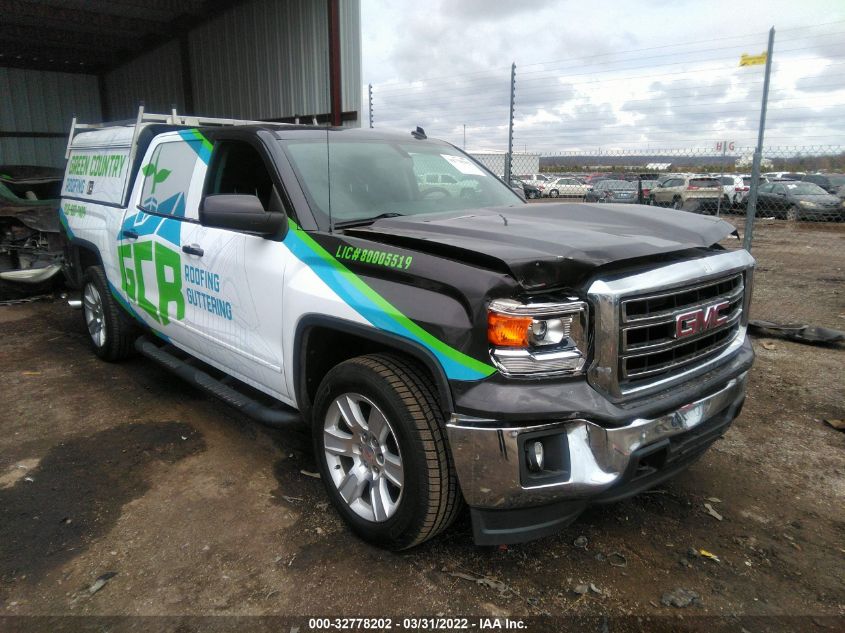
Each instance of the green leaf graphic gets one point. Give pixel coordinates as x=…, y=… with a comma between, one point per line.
x=161, y=175
x=148, y=170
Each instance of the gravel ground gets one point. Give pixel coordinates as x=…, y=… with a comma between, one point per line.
x=122, y=469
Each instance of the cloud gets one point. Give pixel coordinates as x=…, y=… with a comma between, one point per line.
x=621, y=80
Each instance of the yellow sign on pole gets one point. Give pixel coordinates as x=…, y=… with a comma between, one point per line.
x=752, y=60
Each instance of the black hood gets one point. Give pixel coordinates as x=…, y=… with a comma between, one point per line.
x=544, y=245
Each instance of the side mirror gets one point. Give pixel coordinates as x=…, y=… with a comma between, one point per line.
x=519, y=191
x=242, y=212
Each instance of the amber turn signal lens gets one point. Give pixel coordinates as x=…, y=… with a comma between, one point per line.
x=507, y=331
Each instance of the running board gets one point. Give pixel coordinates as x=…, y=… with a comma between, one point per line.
x=270, y=416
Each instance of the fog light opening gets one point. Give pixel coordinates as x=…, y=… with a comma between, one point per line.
x=535, y=456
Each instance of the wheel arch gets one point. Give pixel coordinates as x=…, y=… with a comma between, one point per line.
x=317, y=349
x=81, y=255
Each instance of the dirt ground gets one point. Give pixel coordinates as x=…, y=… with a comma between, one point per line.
x=122, y=469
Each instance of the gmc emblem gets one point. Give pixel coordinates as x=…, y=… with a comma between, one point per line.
x=701, y=320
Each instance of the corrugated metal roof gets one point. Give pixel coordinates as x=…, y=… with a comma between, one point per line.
x=91, y=36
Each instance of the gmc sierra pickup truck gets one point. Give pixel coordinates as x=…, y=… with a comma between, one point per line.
x=445, y=347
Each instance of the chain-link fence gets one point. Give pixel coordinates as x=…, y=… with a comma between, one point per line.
x=800, y=184
x=798, y=229
x=586, y=130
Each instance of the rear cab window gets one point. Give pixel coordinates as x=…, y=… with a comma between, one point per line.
x=168, y=175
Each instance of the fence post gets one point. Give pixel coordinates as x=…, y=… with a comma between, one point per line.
x=370, y=89
x=509, y=158
x=751, y=207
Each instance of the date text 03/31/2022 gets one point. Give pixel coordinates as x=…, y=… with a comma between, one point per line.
x=417, y=623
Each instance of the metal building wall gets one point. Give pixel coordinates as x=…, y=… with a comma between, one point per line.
x=268, y=59
x=262, y=59
x=350, y=57
x=45, y=102
x=154, y=78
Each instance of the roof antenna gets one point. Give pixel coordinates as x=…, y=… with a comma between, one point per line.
x=419, y=133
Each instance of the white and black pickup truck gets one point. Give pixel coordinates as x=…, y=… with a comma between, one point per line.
x=446, y=347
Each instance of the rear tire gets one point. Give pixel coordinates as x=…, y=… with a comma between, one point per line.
x=792, y=214
x=387, y=468
x=110, y=330
x=677, y=204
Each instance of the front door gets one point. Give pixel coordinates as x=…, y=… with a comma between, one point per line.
x=234, y=281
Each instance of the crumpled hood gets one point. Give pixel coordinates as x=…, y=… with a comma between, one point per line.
x=544, y=245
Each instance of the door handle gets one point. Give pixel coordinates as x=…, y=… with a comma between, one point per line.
x=131, y=235
x=193, y=249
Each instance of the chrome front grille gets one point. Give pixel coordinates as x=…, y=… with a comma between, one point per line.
x=638, y=347
x=650, y=346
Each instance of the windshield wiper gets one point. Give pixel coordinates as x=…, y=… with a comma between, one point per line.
x=362, y=221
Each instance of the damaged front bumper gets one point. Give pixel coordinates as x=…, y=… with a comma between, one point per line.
x=586, y=462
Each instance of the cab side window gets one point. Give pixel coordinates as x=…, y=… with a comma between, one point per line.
x=237, y=167
x=167, y=178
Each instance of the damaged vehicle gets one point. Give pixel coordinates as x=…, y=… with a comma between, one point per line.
x=32, y=243
x=445, y=349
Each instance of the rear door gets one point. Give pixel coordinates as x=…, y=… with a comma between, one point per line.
x=162, y=208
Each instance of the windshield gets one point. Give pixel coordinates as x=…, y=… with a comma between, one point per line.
x=805, y=189
x=370, y=178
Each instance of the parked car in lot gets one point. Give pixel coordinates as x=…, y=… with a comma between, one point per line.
x=647, y=186
x=623, y=191
x=796, y=200
x=729, y=188
x=531, y=192
x=446, y=184
x=566, y=188
x=525, y=360
x=741, y=190
x=540, y=181
x=829, y=182
x=678, y=192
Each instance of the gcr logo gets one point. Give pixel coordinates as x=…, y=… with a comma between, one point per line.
x=165, y=265
x=701, y=320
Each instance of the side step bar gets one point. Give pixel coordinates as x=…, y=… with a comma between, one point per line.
x=269, y=416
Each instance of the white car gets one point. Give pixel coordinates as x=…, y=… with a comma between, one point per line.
x=447, y=185
x=541, y=181
x=566, y=188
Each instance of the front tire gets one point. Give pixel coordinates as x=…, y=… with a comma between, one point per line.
x=381, y=446
x=111, y=332
x=553, y=193
x=677, y=204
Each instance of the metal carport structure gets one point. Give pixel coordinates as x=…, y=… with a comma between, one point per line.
x=98, y=59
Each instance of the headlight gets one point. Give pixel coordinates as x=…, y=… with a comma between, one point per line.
x=807, y=204
x=538, y=339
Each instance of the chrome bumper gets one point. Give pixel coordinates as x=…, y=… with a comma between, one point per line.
x=487, y=456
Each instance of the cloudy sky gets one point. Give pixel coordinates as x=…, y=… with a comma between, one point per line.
x=595, y=75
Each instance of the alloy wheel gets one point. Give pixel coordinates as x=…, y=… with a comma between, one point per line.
x=363, y=457
x=92, y=304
